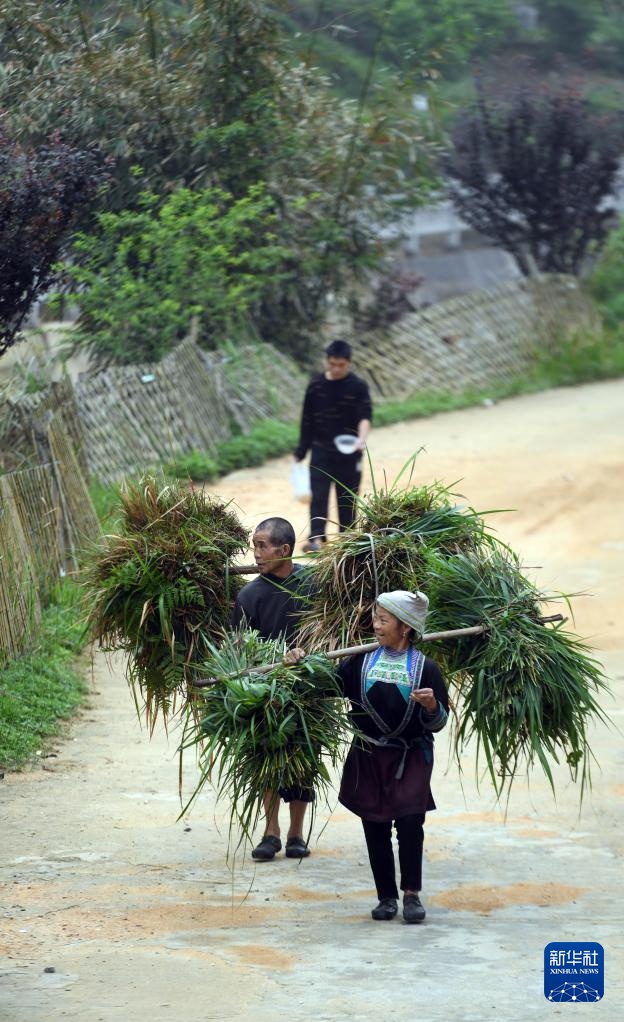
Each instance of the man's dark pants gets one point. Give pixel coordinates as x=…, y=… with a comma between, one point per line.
x=344, y=470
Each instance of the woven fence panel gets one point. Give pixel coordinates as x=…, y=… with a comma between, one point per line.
x=136, y=417
x=258, y=383
x=474, y=340
x=17, y=449
x=23, y=423
x=20, y=609
x=130, y=419
x=46, y=519
x=205, y=399
x=126, y=423
x=37, y=503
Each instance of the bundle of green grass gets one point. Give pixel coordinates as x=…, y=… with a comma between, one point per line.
x=257, y=732
x=525, y=690
x=395, y=529
x=159, y=589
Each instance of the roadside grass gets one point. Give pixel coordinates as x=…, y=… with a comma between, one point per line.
x=580, y=358
x=41, y=690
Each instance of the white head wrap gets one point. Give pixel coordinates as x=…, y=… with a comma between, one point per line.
x=410, y=608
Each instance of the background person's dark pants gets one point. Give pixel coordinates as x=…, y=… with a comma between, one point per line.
x=327, y=467
x=410, y=836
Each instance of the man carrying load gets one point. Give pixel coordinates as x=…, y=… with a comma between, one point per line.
x=271, y=605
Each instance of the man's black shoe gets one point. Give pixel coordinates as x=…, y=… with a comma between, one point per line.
x=312, y=546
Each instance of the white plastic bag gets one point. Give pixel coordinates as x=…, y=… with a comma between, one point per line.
x=300, y=479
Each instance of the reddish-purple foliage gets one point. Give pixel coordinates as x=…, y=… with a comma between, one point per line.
x=534, y=171
x=42, y=192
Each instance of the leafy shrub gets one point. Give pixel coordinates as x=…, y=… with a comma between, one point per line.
x=241, y=452
x=144, y=274
x=266, y=440
x=42, y=191
x=581, y=358
x=276, y=437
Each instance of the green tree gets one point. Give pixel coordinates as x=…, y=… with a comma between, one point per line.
x=456, y=29
x=608, y=35
x=416, y=32
x=148, y=272
x=205, y=95
x=188, y=94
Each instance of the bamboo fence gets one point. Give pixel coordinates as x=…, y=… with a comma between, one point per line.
x=46, y=518
x=475, y=340
x=130, y=419
x=80, y=521
x=33, y=492
x=20, y=608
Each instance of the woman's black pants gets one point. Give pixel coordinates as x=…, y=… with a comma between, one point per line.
x=410, y=836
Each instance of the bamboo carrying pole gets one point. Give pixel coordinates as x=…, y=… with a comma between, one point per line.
x=369, y=647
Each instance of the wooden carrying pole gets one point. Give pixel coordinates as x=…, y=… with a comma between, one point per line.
x=369, y=647
x=335, y=654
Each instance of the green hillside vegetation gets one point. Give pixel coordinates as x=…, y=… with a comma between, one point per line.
x=449, y=38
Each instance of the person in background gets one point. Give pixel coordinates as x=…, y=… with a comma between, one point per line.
x=271, y=605
x=337, y=403
x=398, y=700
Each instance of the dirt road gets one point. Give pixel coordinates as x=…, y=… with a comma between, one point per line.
x=113, y=910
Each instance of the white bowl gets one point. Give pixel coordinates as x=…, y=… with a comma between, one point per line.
x=346, y=443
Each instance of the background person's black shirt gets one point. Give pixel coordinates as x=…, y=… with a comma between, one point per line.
x=332, y=408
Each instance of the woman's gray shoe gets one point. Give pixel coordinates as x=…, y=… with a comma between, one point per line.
x=413, y=911
x=386, y=909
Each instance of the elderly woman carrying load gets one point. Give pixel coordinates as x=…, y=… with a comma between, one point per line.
x=398, y=700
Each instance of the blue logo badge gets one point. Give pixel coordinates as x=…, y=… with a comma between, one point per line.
x=574, y=971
